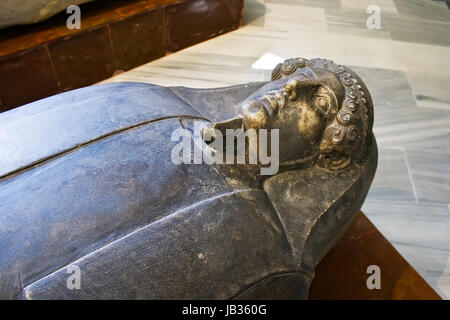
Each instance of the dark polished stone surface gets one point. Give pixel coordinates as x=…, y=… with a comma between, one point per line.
x=342, y=274
x=82, y=60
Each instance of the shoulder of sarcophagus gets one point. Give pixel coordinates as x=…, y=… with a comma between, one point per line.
x=37, y=131
x=316, y=206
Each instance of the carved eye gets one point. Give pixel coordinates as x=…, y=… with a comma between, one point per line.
x=322, y=103
x=255, y=108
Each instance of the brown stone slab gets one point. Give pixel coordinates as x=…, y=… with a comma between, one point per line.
x=342, y=274
x=115, y=36
x=190, y=22
x=37, y=78
x=145, y=29
x=93, y=15
x=82, y=60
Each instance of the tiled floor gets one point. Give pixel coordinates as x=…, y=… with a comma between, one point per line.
x=406, y=66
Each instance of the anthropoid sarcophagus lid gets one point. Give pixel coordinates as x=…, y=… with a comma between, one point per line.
x=137, y=191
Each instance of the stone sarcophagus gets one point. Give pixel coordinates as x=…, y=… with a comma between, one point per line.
x=130, y=190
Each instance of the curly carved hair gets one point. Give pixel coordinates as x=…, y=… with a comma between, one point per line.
x=347, y=133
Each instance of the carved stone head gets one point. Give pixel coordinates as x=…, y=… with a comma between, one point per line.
x=322, y=110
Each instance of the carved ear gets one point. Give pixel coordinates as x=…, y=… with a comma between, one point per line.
x=333, y=161
x=209, y=133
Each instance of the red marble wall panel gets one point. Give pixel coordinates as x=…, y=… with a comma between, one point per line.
x=342, y=273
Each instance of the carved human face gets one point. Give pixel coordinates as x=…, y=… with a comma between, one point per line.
x=300, y=106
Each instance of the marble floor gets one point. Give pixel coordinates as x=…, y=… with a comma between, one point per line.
x=406, y=66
